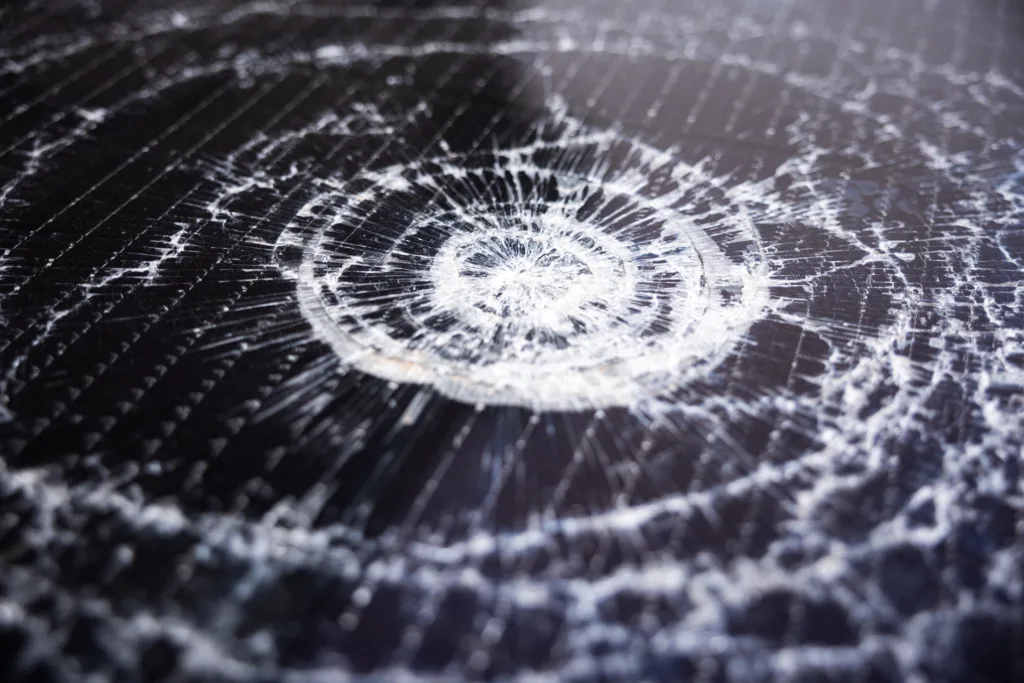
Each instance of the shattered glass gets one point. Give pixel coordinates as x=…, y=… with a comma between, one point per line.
x=563, y=340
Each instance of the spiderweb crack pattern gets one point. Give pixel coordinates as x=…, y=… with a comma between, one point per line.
x=552, y=342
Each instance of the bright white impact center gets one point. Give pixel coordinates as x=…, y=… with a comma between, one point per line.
x=529, y=289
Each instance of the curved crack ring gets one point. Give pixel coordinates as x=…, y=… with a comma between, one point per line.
x=605, y=293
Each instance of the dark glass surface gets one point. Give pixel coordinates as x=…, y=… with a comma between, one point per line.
x=556, y=341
